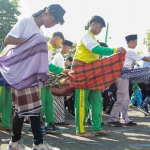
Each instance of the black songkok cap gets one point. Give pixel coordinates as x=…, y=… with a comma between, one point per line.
x=69, y=43
x=131, y=37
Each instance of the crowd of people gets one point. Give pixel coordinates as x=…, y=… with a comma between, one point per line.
x=101, y=86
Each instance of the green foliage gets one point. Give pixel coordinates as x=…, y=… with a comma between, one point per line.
x=87, y=26
x=146, y=40
x=47, y=38
x=139, y=52
x=8, y=16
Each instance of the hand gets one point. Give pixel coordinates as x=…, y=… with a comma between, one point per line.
x=66, y=71
x=121, y=50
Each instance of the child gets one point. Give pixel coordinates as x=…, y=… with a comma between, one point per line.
x=46, y=95
x=5, y=104
x=136, y=96
x=58, y=60
x=24, y=29
x=88, y=51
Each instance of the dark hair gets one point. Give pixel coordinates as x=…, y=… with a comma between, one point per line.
x=97, y=19
x=55, y=10
x=60, y=34
x=39, y=13
x=70, y=58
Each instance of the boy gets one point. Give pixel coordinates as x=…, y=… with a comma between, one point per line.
x=122, y=84
x=46, y=95
x=88, y=51
x=58, y=60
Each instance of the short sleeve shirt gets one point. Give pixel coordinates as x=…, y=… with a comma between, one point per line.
x=58, y=60
x=25, y=28
x=131, y=55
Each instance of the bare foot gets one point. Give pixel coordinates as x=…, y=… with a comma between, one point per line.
x=85, y=134
x=6, y=128
x=104, y=112
x=101, y=132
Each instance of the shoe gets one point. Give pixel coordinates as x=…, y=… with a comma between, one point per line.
x=115, y=124
x=142, y=110
x=16, y=146
x=131, y=123
x=44, y=146
x=147, y=116
x=51, y=127
x=63, y=124
x=6, y=128
x=131, y=106
x=26, y=120
x=42, y=130
x=72, y=115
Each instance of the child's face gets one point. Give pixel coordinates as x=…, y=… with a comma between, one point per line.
x=49, y=20
x=96, y=28
x=68, y=63
x=58, y=42
x=133, y=44
x=65, y=49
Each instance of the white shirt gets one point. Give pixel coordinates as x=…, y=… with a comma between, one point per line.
x=58, y=60
x=25, y=28
x=89, y=42
x=131, y=55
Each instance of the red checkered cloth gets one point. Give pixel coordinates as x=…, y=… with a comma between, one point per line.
x=96, y=75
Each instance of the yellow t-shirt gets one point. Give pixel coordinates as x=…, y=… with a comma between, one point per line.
x=50, y=47
x=84, y=48
x=7, y=48
x=50, y=51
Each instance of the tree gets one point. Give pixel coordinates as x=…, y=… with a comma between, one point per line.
x=146, y=40
x=8, y=16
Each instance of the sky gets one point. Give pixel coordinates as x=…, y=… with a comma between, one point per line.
x=125, y=17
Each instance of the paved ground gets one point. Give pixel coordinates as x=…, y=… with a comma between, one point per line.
x=121, y=138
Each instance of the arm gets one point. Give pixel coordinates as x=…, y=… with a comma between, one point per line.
x=93, y=46
x=104, y=50
x=146, y=59
x=55, y=69
x=9, y=40
x=14, y=36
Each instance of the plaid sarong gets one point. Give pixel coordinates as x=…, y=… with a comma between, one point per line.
x=140, y=75
x=96, y=75
x=26, y=102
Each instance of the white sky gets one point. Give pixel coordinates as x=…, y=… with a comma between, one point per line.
x=124, y=16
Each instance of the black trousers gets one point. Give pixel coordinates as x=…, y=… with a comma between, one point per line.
x=145, y=93
x=35, y=126
x=105, y=100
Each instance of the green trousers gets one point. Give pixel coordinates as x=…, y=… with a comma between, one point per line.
x=5, y=105
x=88, y=100
x=48, y=106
